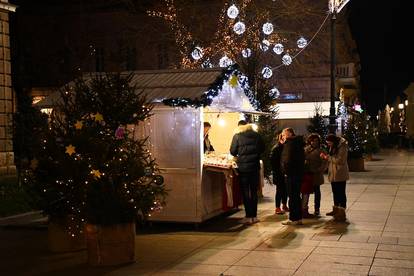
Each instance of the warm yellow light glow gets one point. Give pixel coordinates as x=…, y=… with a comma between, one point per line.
x=392, y=109
x=221, y=122
x=47, y=111
x=401, y=106
x=302, y=110
x=406, y=102
x=255, y=127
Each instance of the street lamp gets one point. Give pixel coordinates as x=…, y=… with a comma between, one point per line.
x=335, y=7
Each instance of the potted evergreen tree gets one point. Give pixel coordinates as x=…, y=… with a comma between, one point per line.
x=355, y=135
x=93, y=171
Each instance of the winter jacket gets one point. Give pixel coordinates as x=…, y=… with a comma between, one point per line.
x=315, y=164
x=293, y=156
x=338, y=163
x=275, y=156
x=207, y=144
x=247, y=145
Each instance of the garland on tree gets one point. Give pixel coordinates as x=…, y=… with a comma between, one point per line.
x=90, y=168
x=318, y=124
x=230, y=74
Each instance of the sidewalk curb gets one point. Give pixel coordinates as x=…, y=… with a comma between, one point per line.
x=20, y=215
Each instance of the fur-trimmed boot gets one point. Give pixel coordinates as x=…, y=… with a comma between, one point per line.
x=333, y=212
x=340, y=214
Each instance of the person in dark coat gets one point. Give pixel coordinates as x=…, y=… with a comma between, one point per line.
x=207, y=144
x=247, y=146
x=278, y=177
x=293, y=165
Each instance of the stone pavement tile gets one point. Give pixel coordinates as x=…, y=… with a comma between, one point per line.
x=323, y=269
x=339, y=259
x=393, y=263
x=386, y=271
x=162, y=254
x=214, y=256
x=406, y=241
x=396, y=248
x=395, y=255
x=397, y=234
x=345, y=251
x=234, y=243
x=400, y=219
x=138, y=268
x=237, y=270
x=285, y=260
x=326, y=237
x=345, y=244
x=298, y=236
x=192, y=269
x=406, y=228
x=366, y=226
x=354, y=237
x=304, y=246
x=385, y=240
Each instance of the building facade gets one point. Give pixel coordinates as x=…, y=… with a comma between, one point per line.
x=6, y=93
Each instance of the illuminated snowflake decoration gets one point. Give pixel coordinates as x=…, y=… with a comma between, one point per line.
x=232, y=12
x=267, y=72
x=246, y=53
x=264, y=46
x=239, y=28
x=286, y=59
x=267, y=28
x=274, y=92
x=278, y=49
x=225, y=61
x=302, y=42
x=197, y=53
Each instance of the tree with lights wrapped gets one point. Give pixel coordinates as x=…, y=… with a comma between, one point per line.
x=355, y=135
x=91, y=169
x=371, y=143
x=245, y=34
x=318, y=123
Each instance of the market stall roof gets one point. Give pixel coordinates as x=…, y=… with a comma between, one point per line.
x=160, y=84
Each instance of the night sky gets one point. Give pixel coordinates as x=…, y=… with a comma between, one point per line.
x=381, y=30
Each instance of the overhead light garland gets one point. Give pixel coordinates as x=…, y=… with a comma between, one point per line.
x=229, y=74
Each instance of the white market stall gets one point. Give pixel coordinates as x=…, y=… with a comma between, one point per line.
x=200, y=186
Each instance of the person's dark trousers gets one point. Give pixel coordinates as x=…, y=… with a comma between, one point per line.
x=317, y=191
x=293, y=183
x=339, y=196
x=249, y=181
x=281, y=193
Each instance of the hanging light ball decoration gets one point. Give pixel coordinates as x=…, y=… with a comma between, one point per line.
x=225, y=61
x=232, y=11
x=264, y=46
x=267, y=28
x=239, y=28
x=274, y=93
x=286, y=59
x=246, y=53
x=197, y=53
x=278, y=48
x=267, y=72
x=302, y=42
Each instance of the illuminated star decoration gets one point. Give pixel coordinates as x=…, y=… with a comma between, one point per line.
x=98, y=117
x=70, y=150
x=96, y=173
x=233, y=81
x=79, y=125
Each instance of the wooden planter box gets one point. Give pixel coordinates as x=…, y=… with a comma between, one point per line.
x=110, y=244
x=59, y=239
x=356, y=164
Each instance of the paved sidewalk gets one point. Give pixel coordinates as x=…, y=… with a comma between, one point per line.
x=378, y=238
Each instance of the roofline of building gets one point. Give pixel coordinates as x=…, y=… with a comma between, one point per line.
x=7, y=7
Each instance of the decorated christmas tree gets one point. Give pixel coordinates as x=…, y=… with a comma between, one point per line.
x=355, y=134
x=318, y=124
x=90, y=167
x=371, y=143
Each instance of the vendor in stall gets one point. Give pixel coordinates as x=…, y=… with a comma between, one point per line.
x=207, y=144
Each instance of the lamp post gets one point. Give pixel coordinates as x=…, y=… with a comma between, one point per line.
x=335, y=6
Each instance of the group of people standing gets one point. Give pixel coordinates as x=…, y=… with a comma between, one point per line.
x=298, y=169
